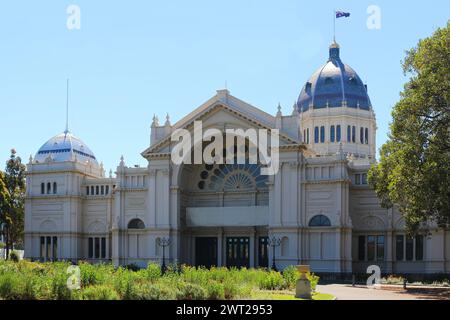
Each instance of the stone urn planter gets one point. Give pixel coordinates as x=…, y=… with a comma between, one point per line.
x=303, y=288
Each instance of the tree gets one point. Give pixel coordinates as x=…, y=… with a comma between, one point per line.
x=4, y=201
x=414, y=168
x=13, y=207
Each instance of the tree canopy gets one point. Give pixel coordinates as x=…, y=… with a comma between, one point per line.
x=413, y=172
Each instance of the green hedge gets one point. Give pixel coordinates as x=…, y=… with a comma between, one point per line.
x=34, y=280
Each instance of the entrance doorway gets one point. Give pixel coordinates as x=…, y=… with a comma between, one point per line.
x=206, y=251
x=238, y=252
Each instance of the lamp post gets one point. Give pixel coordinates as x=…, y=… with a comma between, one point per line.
x=274, y=242
x=163, y=242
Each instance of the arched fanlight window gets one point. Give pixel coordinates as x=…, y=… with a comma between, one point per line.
x=319, y=221
x=136, y=224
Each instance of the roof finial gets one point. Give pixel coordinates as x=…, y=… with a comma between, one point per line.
x=279, y=114
x=167, y=120
x=67, y=107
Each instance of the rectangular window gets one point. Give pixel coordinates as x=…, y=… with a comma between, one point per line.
x=353, y=134
x=332, y=133
x=107, y=190
x=91, y=248
x=361, y=135
x=380, y=248
x=357, y=178
x=92, y=190
x=48, y=248
x=349, y=136
x=87, y=190
x=42, y=188
x=322, y=134
x=55, y=248
x=419, y=248
x=103, y=255
x=102, y=190
x=366, y=136
x=97, y=190
x=409, y=249
x=42, y=248
x=307, y=135
x=316, y=135
x=364, y=178
x=361, y=248
x=399, y=242
x=338, y=133
x=371, y=248
x=97, y=248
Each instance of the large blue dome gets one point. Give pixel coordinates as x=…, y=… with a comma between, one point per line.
x=334, y=84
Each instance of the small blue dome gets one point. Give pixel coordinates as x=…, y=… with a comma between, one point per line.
x=334, y=84
x=65, y=147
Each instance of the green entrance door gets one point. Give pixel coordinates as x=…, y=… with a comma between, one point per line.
x=206, y=251
x=238, y=252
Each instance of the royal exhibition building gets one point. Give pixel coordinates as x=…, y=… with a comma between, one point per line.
x=317, y=209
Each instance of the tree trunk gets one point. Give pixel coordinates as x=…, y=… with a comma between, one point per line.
x=7, y=242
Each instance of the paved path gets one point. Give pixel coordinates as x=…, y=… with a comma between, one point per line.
x=347, y=292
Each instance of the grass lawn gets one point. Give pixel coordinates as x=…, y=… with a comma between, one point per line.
x=286, y=295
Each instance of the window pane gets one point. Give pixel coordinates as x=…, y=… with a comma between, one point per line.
x=107, y=190
x=48, y=247
x=367, y=136
x=307, y=135
x=364, y=178
x=338, y=133
x=316, y=135
x=380, y=248
x=353, y=134
x=361, y=247
x=357, y=179
x=332, y=133
x=42, y=248
x=55, y=248
x=370, y=248
x=322, y=134
x=103, y=248
x=361, y=135
x=409, y=249
x=91, y=248
x=97, y=248
x=87, y=190
x=419, y=248
x=399, y=247
x=349, y=137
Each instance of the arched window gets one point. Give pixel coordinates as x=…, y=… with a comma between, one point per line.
x=366, y=136
x=353, y=134
x=349, y=135
x=361, y=135
x=97, y=190
x=322, y=134
x=319, y=221
x=338, y=133
x=316, y=135
x=136, y=224
x=55, y=189
x=332, y=133
x=307, y=135
x=92, y=190
x=49, y=187
x=42, y=188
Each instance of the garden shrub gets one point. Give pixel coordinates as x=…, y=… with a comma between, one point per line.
x=100, y=292
x=313, y=279
x=190, y=291
x=153, y=272
x=7, y=284
x=215, y=291
x=14, y=256
x=272, y=281
x=291, y=275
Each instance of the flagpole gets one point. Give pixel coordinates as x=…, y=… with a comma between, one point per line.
x=334, y=26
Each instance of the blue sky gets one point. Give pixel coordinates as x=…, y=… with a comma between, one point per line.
x=131, y=59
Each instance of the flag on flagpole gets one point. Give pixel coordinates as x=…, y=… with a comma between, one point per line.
x=340, y=14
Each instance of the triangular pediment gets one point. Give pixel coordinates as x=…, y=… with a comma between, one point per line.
x=223, y=111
